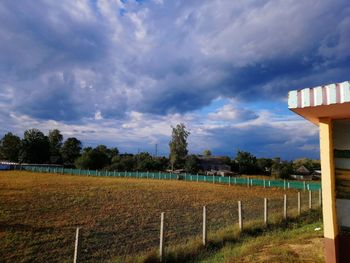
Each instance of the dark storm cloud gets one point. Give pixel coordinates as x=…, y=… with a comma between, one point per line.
x=166, y=58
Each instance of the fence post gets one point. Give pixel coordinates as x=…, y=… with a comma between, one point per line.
x=285, y=207
x=240, y=218
x=288, y=185
x=204, y=225
x=197, y=178
x=299, y=204
x=161, y=242
x=319, y=197
x=235, y=180
x=229, y=180
x=264, y=183
x=248, y=181
x=304, y=186
x=269, y=183
x=284, y=184
x=310, y=199
x=213, y=179
x=77, y=247
x=265, y=211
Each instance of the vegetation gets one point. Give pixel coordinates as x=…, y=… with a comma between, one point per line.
x=178, y=146
x=119, y=217
x=35, y=147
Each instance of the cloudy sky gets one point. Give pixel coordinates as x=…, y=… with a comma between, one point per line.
x=121, y=72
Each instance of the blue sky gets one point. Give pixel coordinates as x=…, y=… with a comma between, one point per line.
x=122, y=72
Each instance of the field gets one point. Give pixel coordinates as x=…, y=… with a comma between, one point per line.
x=119, y=216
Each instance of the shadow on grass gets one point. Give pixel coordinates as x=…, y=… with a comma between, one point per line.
x=193, y=250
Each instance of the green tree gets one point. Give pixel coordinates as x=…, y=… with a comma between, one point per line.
x=191, y=164
x=207, y=152
x=70, y=150
x=94, y=159
x=264, y=165
x=35, y=147
x=178, y=146
x=246, y=162
x=10, y=146
x=144, y=162
x=55, y=141
x=282, y=169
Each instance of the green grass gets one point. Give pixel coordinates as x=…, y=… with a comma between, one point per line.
x=294, y=240
x=120, y=217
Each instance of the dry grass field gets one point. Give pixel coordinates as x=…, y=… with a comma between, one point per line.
x=118, y=216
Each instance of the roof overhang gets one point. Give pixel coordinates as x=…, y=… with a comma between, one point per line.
x=329, y=101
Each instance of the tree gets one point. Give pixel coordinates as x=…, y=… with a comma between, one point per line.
x=10, y=146
x=178, y=145
x=93, y=159
x=70, y=150
x=246, y=162
x=264, y=165
x=55, y=141
x=207, y=152
x=282, y=169
x=144, y=162
x=35, y=147
x=191, y=164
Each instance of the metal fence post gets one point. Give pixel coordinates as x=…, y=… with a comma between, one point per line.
x=204, y=225
x=265, y=211
x=285, y=207
x=299, y=204
x=161, y=242
x=240, y=218
x=310, y=199
x=77, y=247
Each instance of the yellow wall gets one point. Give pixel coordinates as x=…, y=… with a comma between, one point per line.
x=328, y=179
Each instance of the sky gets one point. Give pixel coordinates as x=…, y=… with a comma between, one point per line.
x=122, y=72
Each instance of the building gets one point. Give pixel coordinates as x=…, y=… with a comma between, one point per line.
x=213, y=164
x=329, y=107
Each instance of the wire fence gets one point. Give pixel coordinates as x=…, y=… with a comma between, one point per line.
x=122, y=237
x=286, y=184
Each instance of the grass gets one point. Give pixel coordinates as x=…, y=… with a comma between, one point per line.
x=119, y=217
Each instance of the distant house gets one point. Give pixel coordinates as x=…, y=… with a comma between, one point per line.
x=214, y=165
x=302, y=173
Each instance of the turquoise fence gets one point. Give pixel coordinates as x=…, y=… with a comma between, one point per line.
x=286, y=184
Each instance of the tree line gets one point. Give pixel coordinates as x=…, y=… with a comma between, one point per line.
x=37, y=148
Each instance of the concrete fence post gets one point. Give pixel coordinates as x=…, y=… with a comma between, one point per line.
x=269, y=183
x=288, y=185
x=285, y=207
x=310, y=199
x=240, y=216
x=264, y=182
x=235, y=180
x=299, y=204
x=204, y=225
x=161, y=242
x=213, y=179
x=77, y=246
x=248, y=181
x=304, y=186
x=266, y=211
x=197, y=178
x=284, y=184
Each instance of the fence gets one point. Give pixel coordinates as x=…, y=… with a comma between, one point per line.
x=120, y=237
x=177, y=227
x=286, y=184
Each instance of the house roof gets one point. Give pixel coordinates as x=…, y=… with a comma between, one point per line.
x=213, y=160
x=302, y=170
x=331, y=101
